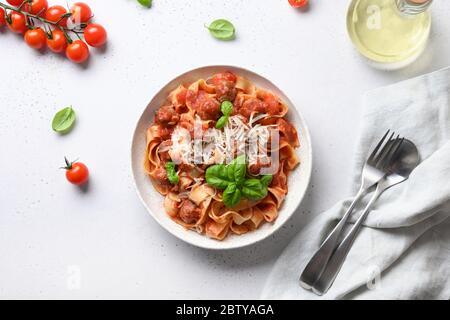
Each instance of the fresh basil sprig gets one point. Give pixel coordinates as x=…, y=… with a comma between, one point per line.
x=232, y=179
x=64, y=120
x=145, y=3
x=172, y=173
x=226, y=108
x=222, y=29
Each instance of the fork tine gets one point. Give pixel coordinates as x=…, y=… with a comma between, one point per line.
x=383, y=150
x=397, y=144
x=388, y=154
x=380, y=143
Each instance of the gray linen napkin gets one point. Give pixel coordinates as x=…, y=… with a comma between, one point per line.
x=403, y=251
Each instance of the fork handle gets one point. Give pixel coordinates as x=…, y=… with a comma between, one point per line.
x=318, y=262
x=335, y=263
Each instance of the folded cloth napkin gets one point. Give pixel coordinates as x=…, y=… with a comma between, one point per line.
x=403, y=249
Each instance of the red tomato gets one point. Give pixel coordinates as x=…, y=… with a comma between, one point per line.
x=77, y=51
x=15, y=3
x=95, y=35
x=18, y=23
x=81, y=12
x=58, y=42
x=35, y=38
x=76, y=173
x=298, y=3
x=2, y=17
x=54, y=13
x=37, y=6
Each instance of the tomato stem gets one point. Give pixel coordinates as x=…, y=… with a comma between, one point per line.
x=30, y=22
x=69, y=164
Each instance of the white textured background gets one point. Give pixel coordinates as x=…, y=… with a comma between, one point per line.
x=50, y=230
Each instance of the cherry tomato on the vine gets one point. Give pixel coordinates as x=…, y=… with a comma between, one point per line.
x=81, y=12
x=76, y=172
x=37, y=6
x=58, y=42
x=77, y=51
x=54, y=14
x=298, y=3
x=2, y=17
x=35, y=38
x=95, y=35
x=18, y=22
x=15, y=3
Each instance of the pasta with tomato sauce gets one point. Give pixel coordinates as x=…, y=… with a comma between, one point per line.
x=192, y=111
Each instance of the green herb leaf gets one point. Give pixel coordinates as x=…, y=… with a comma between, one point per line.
x=240, y=169
x=237, y=169
x=64, y=120
x=226, y=107
x=253, y=189
x=266, y=180
x=145, y=3
x=222, y=122
x=222, y=29
x=217, y=176
x=172, y=173
x=232, y=195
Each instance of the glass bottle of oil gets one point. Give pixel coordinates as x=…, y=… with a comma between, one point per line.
x=390, y=33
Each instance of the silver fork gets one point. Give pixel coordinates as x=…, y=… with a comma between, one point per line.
x=336, y=261
x=372, y=173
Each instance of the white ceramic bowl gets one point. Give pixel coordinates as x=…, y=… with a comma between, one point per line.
x=153, y=201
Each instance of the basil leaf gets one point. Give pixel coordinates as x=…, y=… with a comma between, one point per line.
x=222, y=122
x=239, y=173
x=230, y=171
x=253, y=189
x=216, y=176
x=266, y=180
x=237, y=169
x=226, y=108
x=222, y=29
x=172, y=173
x=231, y=195
x=64, y=120
x=145, y=3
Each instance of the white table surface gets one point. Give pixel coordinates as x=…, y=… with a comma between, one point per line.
x=59, y=242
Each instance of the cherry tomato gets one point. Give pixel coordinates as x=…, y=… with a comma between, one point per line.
x=35, y=38
x=298, y=3
x=54, y=13
x=18, y=23
x=58, y=42
x=15, y=3
x=77, y=51
x=81, y=12
x=95, y=35
x=76, y=172
x=37, y=6
x=2, y=17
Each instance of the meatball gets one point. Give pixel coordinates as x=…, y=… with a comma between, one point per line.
x=272, y=104
x=225, y=85
x=252, y=105
x=189, y=212
x=160, y=175
x=167, y=115
x=209, y=110
x=267, y=104
x=207, y=107
x=226, y=91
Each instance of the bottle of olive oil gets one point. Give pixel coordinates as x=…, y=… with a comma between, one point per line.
x=390, y=33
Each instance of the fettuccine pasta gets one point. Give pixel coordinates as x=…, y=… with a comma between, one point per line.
x=188, y=120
